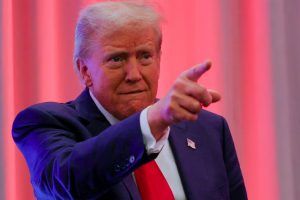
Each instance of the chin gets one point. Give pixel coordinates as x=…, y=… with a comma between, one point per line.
x=130, y=109
x=129, y=106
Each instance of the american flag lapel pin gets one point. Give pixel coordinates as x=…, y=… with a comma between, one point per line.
x=191, y=143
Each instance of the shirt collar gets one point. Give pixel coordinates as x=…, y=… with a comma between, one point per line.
x=110, y=118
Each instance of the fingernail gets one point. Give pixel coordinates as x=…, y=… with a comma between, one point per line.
x=208, y=62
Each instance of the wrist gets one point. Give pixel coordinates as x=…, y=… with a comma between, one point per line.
x=156, y=123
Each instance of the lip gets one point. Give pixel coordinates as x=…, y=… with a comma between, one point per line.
x=132, y=92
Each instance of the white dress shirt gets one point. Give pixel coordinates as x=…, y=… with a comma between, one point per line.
x=165, y=160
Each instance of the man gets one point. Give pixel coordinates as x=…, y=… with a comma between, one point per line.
x=99, y=145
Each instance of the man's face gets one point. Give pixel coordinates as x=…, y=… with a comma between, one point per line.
x=124, y=70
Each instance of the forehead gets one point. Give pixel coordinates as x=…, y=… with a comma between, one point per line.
x=131, y=35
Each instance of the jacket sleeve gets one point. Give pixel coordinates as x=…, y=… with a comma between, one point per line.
x=235, y=178
x=65, y=167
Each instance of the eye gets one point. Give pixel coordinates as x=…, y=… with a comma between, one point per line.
x=146, y=58
x=146, y=55
x=117, y=58
x=116, y=61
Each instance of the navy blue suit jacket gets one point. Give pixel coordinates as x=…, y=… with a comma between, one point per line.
x=73, y=153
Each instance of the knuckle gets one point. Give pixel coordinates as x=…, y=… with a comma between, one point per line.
x=196, y=104
x=175, y=85
x=193, y=117
x=197, y=107
x=202, y=91
x=178, y=84
x=171, y=109
x=190, y=117
x=189, y=90
x=173, y=96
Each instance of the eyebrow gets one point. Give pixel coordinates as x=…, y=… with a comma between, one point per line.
x=108, y=55
x=111, y=51
x=145, y=49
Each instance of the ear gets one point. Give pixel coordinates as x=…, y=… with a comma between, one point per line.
x=84, y=72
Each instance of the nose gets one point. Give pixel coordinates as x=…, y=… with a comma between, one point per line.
x=132, y=71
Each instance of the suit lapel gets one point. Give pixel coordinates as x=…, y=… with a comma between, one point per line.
x=187, y=158
x=94, y=119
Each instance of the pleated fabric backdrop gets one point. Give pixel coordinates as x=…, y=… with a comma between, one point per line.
x=254, y=48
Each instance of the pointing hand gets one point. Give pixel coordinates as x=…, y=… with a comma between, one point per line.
x=183, y=101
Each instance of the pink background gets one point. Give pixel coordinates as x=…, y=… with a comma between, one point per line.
x=255, y=51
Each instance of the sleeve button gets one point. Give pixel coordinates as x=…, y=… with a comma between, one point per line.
x=117, y=168
x=131, y=159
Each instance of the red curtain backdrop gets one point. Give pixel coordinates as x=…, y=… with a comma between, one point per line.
x=236, y=35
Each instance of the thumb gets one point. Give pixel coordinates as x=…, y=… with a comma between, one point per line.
x=216, y=96
x=196, y=72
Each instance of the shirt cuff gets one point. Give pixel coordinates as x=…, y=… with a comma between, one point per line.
x=152, y=146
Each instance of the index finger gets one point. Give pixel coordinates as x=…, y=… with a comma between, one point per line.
x=196, y=72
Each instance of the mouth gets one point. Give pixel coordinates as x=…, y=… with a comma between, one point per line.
x=132, y=92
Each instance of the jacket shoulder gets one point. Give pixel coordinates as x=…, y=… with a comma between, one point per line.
x=209, y=114
x=53, y=109
x=211, y=119
x=45, y=114
x=50, y=107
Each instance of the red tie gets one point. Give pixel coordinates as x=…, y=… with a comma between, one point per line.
x=152, y=183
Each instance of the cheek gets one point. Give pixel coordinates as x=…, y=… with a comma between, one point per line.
x=152, y=79
x=99, y=80
x=104, y=88
x=106, y=81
